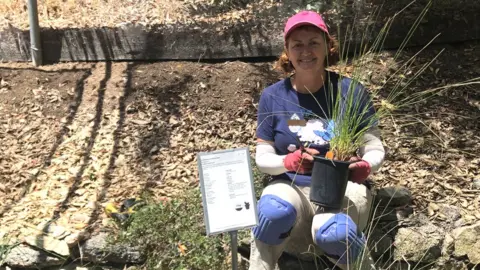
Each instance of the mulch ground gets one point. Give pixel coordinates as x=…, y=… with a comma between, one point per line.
x=59, y=14
x=75, y=136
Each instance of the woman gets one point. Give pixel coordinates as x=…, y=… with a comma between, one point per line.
x=288, y=220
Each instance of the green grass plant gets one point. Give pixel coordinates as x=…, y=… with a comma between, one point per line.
x=351, y=119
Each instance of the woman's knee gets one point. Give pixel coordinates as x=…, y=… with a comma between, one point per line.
x=338, y=237
x=278, y=209
x=357, y=204
x=359, y=194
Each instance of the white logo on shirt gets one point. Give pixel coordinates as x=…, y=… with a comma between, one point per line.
x=310, y=132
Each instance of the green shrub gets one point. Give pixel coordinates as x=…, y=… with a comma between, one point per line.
x=160, y=230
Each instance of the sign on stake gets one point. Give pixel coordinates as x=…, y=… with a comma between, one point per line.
x=228, y=195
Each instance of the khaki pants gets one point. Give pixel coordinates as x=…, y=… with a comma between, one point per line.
x=356, y=204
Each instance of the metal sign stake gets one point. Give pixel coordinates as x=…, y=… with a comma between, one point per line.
x=233, y=239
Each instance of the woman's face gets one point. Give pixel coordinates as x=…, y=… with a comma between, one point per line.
x=307, y=49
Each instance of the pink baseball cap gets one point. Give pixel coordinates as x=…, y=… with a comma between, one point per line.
x=304, y=18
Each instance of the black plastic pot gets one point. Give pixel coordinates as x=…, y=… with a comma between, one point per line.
x=329, y=182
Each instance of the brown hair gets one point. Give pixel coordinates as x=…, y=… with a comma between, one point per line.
x=283, y=63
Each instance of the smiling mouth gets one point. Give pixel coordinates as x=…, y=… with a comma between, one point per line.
x=308, y=61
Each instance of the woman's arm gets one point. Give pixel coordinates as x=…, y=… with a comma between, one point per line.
x=372, y=150
x=267, y=159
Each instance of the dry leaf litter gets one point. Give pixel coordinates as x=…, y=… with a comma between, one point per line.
x=136, y=129
x=84, y=14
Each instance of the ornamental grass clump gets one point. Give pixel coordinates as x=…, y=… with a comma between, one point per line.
x=351, y=114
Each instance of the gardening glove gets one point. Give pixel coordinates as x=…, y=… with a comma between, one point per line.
x=300, y=161
x=359, y=170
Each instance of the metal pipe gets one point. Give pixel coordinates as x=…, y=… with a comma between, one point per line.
x=234, y=246
x=35, y=44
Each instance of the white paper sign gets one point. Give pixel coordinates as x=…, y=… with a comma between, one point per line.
x=226, y=182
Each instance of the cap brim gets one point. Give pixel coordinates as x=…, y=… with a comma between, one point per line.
x=301, y=23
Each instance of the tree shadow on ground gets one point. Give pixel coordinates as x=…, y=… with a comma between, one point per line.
x=91, y=141
x=268, y=75
x=143, y=92
x=117, y=134
x=59, y=137
x=165, y=96
x=63, y=206
x=452, y=111
x=166, y=104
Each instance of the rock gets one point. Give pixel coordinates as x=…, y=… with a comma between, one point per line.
x=417, y=220
x=393, y=197
x=80, y=218
x=73, y=239
x=448, y=243
x=418, y=244
x=97, y=250
x=88, y=266
x=380, y=245
x=287, y=262
x=467, y=242
x=388, y=214
x=459, y=223
x=59, y=232
x=450, y=213
x=23, y=256
x=49, y=243
x=55, y=231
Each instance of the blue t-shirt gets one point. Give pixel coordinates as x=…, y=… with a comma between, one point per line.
x=280, y=103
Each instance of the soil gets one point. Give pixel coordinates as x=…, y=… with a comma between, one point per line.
x=75, y=136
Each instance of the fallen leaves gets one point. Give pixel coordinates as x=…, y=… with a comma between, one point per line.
x=182, y=249
x=188, y=157
x=155, y=149
x=140, y=122
x=435, y=155
x=4, y=188
x=4, y=86
x=432, y=208
x=3, y=83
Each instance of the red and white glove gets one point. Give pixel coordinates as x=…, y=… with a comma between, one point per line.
x=359, y=170
x=301, y=162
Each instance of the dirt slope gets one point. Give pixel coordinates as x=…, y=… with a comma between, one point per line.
x=75, y=136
